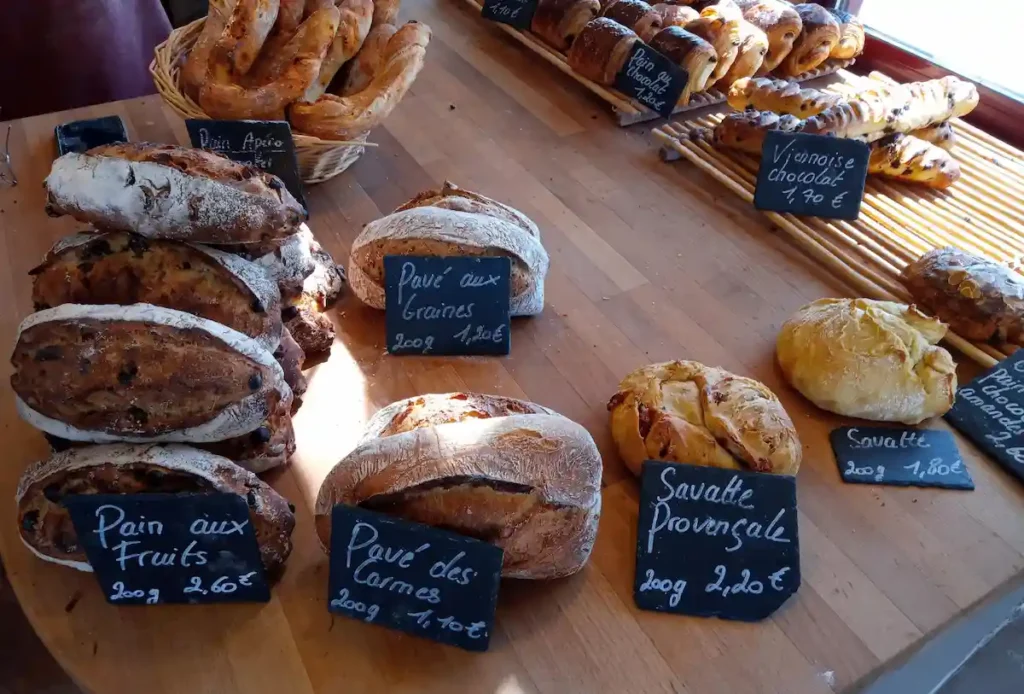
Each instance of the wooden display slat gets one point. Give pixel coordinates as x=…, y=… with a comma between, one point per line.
x=629, y=111
x=981, y=213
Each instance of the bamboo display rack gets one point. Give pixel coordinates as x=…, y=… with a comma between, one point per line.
x=629, y=111
x=982, y=213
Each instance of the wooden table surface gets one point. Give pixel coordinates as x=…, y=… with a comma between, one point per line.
x=650, y=262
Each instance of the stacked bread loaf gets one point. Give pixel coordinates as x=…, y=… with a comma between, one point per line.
x=717, y=42
x=167, y=323
x=907, y=125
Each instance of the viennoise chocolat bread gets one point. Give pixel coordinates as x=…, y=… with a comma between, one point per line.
x=452, y=222
x=171, y=192
x=686, y=412
x=504, y=471
x=870, y=359
x=601, y=49
x=46, y=527
x=141, y=373
x=979, y=298
x=119, y=267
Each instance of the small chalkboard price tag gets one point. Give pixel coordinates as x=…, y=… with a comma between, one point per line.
x=652, y=79
x=990, y=412
x=413, y=578
x=149, y=549
x=516, y=13
x=447, y=305
x=714, y=542
x=83, y=135
x=265, y=144
x=899, y=457
x=813, y=175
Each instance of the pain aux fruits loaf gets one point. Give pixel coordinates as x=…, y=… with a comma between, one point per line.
x=504, y=471
x=876, y=360
x=452, y=222
x=141, y=373
x=45, y=524
x=172, y=192
x=686, y=412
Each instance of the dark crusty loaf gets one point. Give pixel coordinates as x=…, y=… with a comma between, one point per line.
x=305, y=314
x=980, y=299
x=141, y=373
x=119, y=267
x=505, y=471
x=288, y=262
x=172, y=192
x=601, y=49
x=292, y=358
x=46, y=526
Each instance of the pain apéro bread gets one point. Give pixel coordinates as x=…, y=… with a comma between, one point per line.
x=165, y=191
x=504, y=471
x=452, y=222
x=119, y=267
x=141, y=373
x=45, y=524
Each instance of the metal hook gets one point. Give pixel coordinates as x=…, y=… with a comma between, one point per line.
x=6, y=159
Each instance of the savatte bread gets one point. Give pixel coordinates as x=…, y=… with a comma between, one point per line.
x=341, y=118
x=353, y=26
x=780, y=22
x=452, y=221
x=601, y=49
x=558, y=22
x=118, y=267
x=686, y=412
x=46, y=527
x=360, y=70
x=193, y=71
x=504, y=471
x=871, y=359
x=248, y=26
x=636, y=15
x=141, y=373
x=819, y=37
x=980, y=299
x=171, y=192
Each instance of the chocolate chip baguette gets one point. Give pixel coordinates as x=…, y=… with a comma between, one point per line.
x=46, y=527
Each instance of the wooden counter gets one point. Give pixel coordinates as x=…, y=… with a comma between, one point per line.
x=649, y=262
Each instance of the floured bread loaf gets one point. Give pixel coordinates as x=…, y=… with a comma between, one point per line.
x=292, y=358
x=288, y=262
x=871, y=359
x=119, y=267
x=447, y=222
x=505, y=471
x=172, y=192
x=686, y=412
x=141, y=373
x=46, y=526
x=305, y=314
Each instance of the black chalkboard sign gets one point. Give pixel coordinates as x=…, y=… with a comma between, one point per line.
x=265, y=144
x=517, y=13
x=990, y=412
x=82, y=135
x=447, y=305
x=412, y=577
x=652, y=79
x=812, y=175
x=714, y=542
x=899, y=457
x=148, y=549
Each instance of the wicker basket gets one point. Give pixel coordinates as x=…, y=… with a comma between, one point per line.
x=319, y=159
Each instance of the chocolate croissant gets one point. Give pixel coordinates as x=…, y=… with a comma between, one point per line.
x=558, y=22
x=753, y=48
x=780, y=22
x=819, y=36
x=601, y=49
x=851, y=36
x=689, y=51
x=719, y=25
x=636, y=15
x=675, y=15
